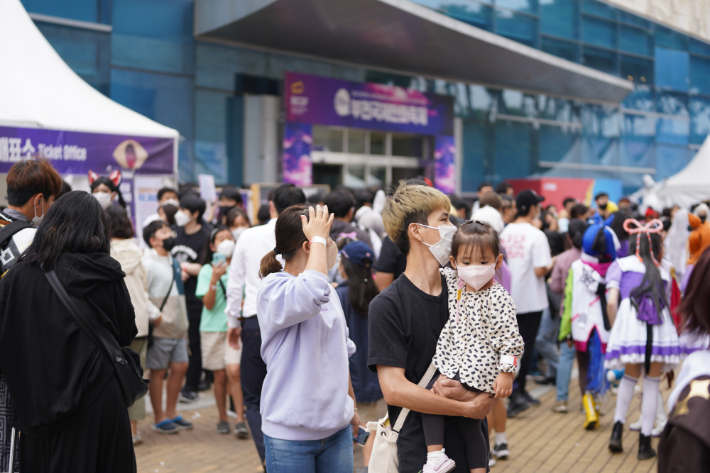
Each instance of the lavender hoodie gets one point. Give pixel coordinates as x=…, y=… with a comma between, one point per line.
x=304, y=342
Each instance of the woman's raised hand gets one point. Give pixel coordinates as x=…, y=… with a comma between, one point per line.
x=318, y=222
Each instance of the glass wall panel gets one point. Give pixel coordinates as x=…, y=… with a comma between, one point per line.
x=526, y=6
x=513, y=102
x=561, y=110
x=377, y=177
x=672, y=131
x=478, y=147
x=598, y=32
x=470, y=12
x=164, y=98
x=599, y=9
x=600, y=151
x=637, y=69
x=632, y=19
x=699, y=47
x=635, y=40
x=699, y=119
x=327, y=139
x=407, y=145
x=639, y=126
x=602, y=121
x=563, y=49
x=670, y=103
x=559, y=144
x=357, y=140
x=637, y=152
x=153, y=34
x=378, y=142
x=512, y=149
x=211, y=134
x=641, y=98
x=521, y=28
x=599, y=59
x=699, y=75
x=83, y=10
x=86, y=52
x=671, y=39
x=482, y=101
x=670, y=160
x=559, y=18
x=402, y=174
x=672, y=69
x=355, y=176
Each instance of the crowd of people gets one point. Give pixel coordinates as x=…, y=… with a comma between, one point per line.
x=411, y=321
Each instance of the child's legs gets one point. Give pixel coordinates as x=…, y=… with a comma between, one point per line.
x=175, y=379
x=235, y=389
x=476, y=445
x=498, y=417
x=155, y=389
x=220, y=393
x=433, y=432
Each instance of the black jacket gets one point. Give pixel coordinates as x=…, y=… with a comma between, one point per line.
x=53, y=369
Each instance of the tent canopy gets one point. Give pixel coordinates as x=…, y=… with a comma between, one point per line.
x=691, y=185
x=39, y=90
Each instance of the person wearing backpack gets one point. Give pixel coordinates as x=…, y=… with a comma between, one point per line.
x=32, y=187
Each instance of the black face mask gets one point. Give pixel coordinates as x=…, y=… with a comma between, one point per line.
x=224, y=210
x=169, y=243
x=602, y=206
x=703, y=218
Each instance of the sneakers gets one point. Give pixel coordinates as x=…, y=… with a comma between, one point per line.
x=560, y=407
x=181, y=423
x=137, y=439
x=223, y=427
x=531, y=400
x=444, y=464
x=501, y=451
x=491, y=460
x=165, y=427
x=517, y=404
x=241, y=431
x=186, y=397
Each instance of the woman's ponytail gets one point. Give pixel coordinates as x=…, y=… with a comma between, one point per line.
x=269, y=264
x=289, y=238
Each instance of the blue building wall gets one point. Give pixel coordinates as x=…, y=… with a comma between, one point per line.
x=151, y=63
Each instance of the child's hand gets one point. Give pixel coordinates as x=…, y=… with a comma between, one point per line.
x=503, y=385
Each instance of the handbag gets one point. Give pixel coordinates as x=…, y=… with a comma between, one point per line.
x=126, y=362
x=384, y=451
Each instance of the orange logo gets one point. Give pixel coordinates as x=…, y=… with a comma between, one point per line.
x=297, y=87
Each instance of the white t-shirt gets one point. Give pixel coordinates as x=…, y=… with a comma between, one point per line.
x=527, y=248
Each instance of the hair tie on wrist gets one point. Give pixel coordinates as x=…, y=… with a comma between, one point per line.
x=277, y=252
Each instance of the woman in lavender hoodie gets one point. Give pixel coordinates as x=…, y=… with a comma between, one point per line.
x=307, y=402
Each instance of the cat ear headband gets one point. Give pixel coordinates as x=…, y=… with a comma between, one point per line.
x=634, y=227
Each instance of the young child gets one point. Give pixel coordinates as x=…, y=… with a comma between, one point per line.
x=479, y=345
x=217, y=356
x=643, y=337
x=169, y=349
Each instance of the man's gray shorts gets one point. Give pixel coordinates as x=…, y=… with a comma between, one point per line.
x=165, y=351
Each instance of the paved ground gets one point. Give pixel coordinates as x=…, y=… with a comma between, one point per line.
x=540, y=441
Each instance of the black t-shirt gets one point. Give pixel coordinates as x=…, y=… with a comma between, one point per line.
x=404, y=327
x=391, y=260
x=188, y=249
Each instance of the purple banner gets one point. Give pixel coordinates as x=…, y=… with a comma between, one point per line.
x=78, y=152
x=297, y=165
x=324, y=101
x=445, y=167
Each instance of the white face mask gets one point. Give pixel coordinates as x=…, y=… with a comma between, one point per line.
x=37, y=220
x=181, y=218
x=226, y=248
x=477, y=275
x=332, y=255
x=104, y=199
x=442, y=249
x=237, y=232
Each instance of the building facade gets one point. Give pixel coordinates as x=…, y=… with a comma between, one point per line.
x=225, y=95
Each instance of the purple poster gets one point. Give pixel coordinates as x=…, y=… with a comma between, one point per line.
x=445, y=167
x=72, y=152
x=297, y=165
x=324, y=101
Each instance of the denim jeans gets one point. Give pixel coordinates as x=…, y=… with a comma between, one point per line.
x=564, y=371
x=330, y=455
x=546, y=342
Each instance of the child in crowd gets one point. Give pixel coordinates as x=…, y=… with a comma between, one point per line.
x=479, y=345
x=217, y=355
x=169, y=348
x=643, y=337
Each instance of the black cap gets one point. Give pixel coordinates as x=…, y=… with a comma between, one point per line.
x=526, y=199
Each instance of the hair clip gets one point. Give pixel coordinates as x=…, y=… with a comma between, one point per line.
x=634, y=227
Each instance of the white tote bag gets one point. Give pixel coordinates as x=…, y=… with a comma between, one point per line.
x=384, y=450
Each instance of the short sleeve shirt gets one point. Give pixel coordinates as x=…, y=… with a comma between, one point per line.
x=214, y=320
x=391, y=260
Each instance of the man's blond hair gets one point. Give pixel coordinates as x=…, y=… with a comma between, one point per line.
x=410, y=203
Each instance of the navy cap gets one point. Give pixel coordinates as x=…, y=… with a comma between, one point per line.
x=358, y=253
x=526, y=199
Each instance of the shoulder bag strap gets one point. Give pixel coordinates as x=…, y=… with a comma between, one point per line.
x=170, y=289
x=423, y=383
x=9, y=230
x=77, y=308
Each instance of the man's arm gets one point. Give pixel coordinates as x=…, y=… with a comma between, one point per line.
x=383, y=280
x=235, y=284
x=399, y=391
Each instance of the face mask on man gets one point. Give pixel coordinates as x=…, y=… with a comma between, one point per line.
x=104, y=199
x=37, y=220
x=181, y=218
x=169, y=243
x=442, y=249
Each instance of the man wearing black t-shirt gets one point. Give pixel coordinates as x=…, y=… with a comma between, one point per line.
x=405, y=321
x=189, y=243
x=390, y=265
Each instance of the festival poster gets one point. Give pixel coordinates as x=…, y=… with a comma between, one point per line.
x=297, y=164
x=445, y=164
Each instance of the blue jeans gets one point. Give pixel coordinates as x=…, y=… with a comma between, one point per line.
x=330, y=455
x=546, y=342
x=564, y=371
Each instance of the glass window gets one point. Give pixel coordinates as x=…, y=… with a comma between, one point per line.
x=639, y=126
x=672, y=131
x=670, y=160
x=563, y=49
x=211, y=134
x=472, y=13
x=559, y=18
x=355, y=176
x=601, y=120
x=526, y=6
x=86, y=52
x=330, y=174
x=600, y=151
x=599, y=59
x=477, y=154
x=378, y=142
x=559, y=144
x=670, y=103
x=377, y=177
x=635, y=40
x=166, y=99
x=599, y=9
x=561, y=110
x=637, y=69
x=632, y=19
x=327, y=139
x=672, y=69
x=482, y=101
x=521, y=28
x=407, y=145
x=699, y=47
x=356, y=141
x=699, y=75
x=83, y=10
x=641, y=98
x=514, y=102
x=402, y=174
x=513, y=149
x=699, y=119
x=671, y=39
x=598, y=32
x=153, y=34
x=637, y=152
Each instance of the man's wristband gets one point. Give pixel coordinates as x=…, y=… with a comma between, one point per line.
x=317, y=239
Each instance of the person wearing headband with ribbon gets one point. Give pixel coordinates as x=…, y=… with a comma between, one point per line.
x=643, y=337
x=480, y=344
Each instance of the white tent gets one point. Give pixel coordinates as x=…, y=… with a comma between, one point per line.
x=39, y=90
x=692, y=184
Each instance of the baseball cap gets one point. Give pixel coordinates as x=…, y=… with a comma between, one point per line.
x=526, y=199
x=358, y=253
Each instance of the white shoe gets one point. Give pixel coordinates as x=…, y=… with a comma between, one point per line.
x=443, y=465
x=636, y=426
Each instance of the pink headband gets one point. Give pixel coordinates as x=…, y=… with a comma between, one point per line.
x=633, y=226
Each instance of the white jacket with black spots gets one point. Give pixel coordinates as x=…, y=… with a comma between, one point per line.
x=486, y=330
